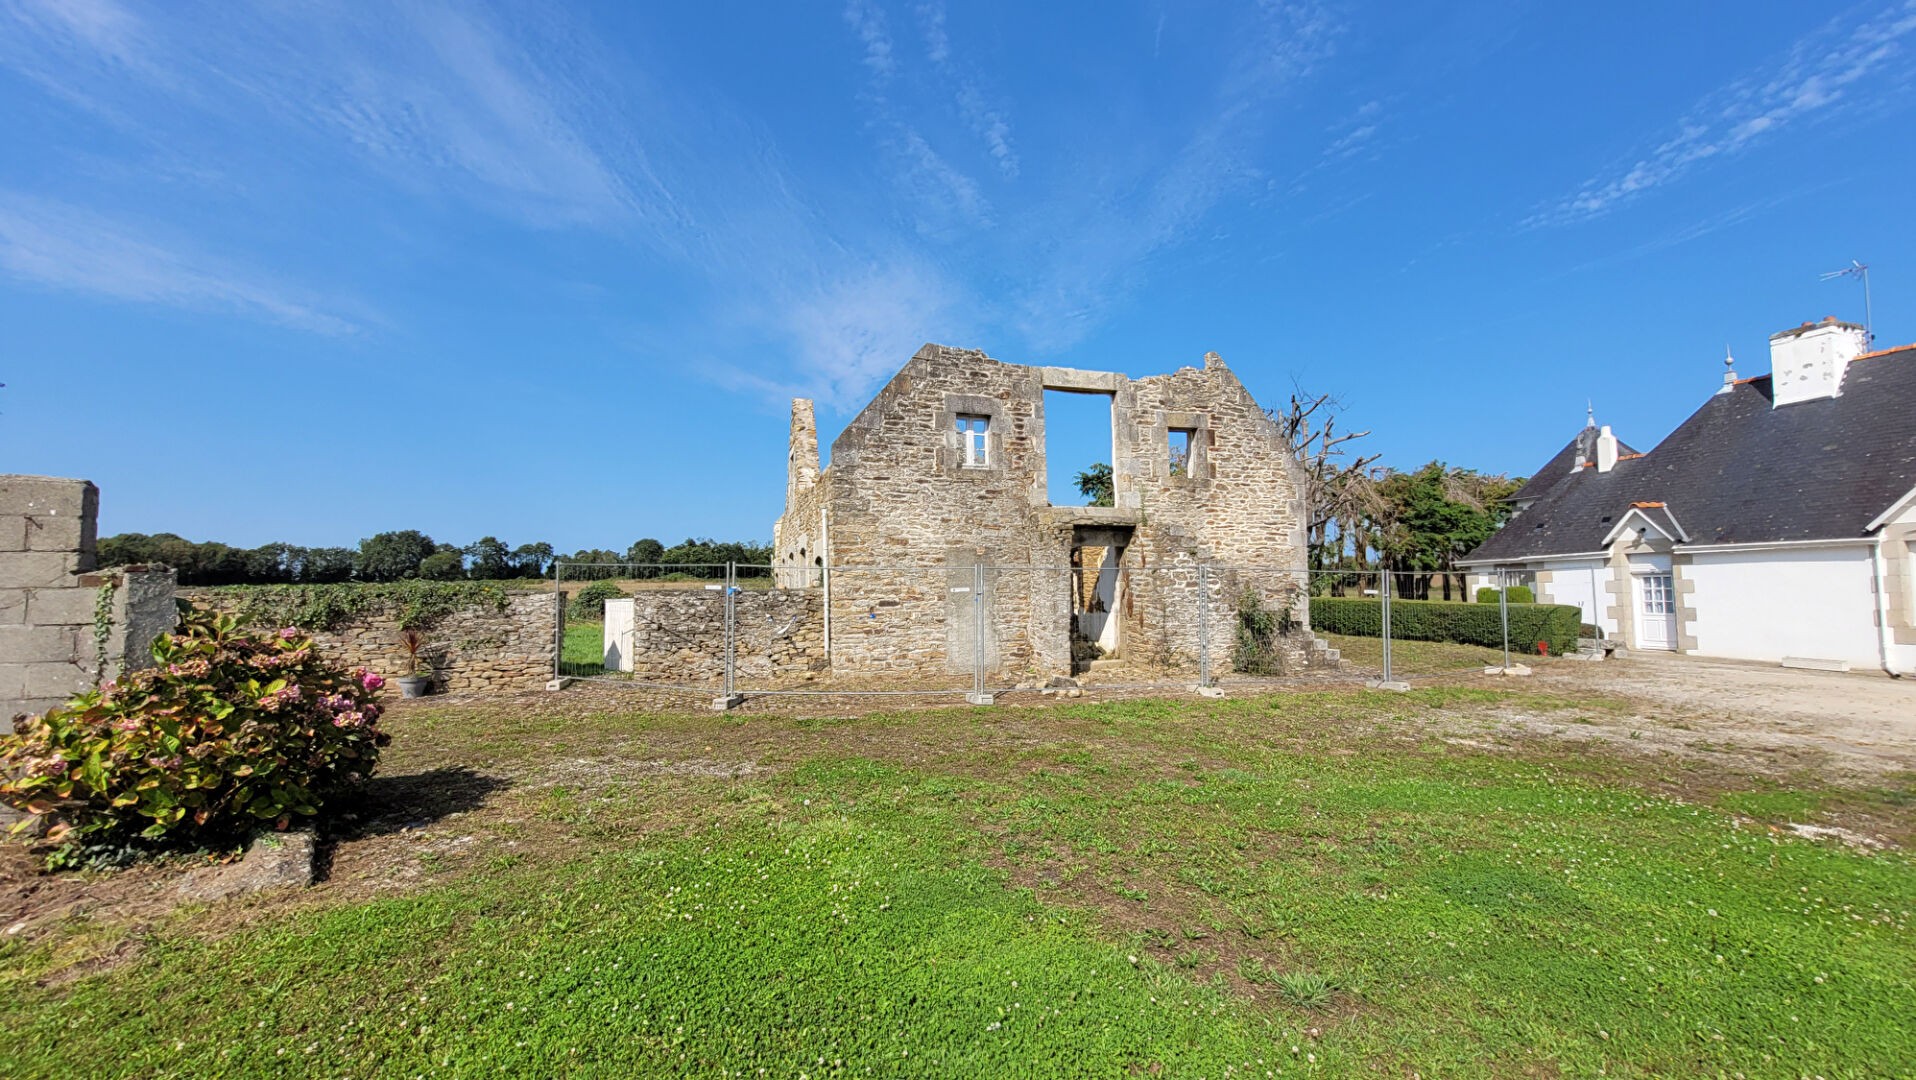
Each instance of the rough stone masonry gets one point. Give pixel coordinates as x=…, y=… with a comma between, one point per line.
x=933, y=542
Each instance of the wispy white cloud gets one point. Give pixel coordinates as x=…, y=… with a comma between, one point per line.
x=1728, y=218
x=440, y=98
x=1356, y=134
x=853, y=332
x=946, y=197
x=65, y=247
x=1822, y=75
x=987, y=121
x=868, y=21
x=1097, y=259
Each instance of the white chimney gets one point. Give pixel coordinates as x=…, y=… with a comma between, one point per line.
x=1606, y=450
x=1808, y=363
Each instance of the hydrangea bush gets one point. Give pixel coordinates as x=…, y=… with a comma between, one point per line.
x=230, y=730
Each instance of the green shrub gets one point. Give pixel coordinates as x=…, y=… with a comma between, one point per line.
x=1519, y=594
x=1255, y=651
x=229, y=730
x=1436, y=620
x=589, y=602
x=420, y=604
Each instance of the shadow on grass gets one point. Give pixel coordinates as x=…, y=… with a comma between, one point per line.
x=392, y=804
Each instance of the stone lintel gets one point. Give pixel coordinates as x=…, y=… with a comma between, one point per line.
x=1083, y=382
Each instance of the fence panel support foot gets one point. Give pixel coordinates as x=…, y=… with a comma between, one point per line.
x=981, y=699
x=1393, y=685
x=1508, y=669
x=559, y=683
x=1209, y=691
x=727, y=702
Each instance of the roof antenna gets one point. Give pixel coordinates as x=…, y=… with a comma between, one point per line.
x=1729, y=371
x=1857, y=270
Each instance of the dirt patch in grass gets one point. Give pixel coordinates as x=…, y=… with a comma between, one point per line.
x=477, y=785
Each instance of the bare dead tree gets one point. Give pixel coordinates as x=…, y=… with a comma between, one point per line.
x=1339, y=489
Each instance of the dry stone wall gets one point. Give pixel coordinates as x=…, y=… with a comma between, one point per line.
x=477, y=649
x=677, y=637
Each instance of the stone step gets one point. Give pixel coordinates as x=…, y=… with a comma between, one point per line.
x=1110, y=663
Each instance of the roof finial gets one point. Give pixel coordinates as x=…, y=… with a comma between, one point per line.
x=1589, y=413
x=1729, y=371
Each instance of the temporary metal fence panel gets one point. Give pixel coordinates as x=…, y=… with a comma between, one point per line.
x=975, y=629
x=666, y=627
x=1395, y=636
x=872, y=630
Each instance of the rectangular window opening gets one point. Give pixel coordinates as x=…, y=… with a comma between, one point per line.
x=972, y=430
x=1182, y=441
x=1079, y=444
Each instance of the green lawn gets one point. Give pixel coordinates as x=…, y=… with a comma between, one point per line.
x=584, y=649
x=1307, y=884
x=1419, y=657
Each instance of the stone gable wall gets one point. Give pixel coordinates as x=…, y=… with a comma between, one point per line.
x=906, y=520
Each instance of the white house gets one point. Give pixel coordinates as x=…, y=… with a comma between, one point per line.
x=1778, y=521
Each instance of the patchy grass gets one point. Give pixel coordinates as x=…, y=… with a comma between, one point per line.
x=1308, y=884
x=1420, y=657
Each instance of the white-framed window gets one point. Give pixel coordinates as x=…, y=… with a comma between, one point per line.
x=976, y=448
x=1659, y=595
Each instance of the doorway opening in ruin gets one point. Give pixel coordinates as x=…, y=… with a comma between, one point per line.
x=1097, y=593
x=1078, y=436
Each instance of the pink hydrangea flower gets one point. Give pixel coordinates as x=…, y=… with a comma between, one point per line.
x=288, y=633
x=370, y=681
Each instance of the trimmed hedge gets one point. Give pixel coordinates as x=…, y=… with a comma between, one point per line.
x=1438, y=620
x=1519, y=594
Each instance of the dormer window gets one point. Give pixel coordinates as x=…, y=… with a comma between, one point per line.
x=974, y=447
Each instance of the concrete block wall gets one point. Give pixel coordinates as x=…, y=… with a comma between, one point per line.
x=50, y=592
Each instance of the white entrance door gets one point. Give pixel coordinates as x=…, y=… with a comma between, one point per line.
x=1656, y=610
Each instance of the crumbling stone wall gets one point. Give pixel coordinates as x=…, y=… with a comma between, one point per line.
x=904, y=518
x=798, y=556
x=677, y=637
x=65, y=625
x=477, y=649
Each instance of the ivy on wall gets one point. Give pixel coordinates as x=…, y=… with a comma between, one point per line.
x=102, y=627
x=421, y=604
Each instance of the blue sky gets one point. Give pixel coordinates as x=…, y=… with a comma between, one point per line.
x=313, y=270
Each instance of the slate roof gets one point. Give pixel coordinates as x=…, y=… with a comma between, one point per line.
x=1581, y=448
x=1739, y=471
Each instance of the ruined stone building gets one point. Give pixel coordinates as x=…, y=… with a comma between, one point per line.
x=932, y=540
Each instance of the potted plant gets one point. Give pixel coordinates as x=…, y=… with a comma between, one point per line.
x=412, y=683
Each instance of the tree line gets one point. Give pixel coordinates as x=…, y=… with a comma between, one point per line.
x=409, y=553
x=1364, y=518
